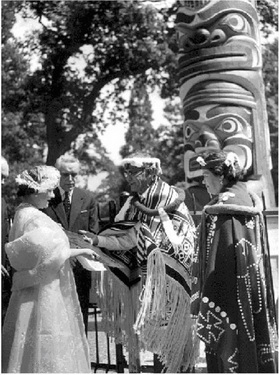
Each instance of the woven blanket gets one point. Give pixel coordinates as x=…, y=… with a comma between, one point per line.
x=129, y=273
x=76, y=241
x=166, y=245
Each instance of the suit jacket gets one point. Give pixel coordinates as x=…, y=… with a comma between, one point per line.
x=83, y=213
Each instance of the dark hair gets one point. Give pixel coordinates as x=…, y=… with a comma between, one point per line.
x=24, y=190
x=215, y=163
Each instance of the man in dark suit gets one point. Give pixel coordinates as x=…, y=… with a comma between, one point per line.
x=74, y=209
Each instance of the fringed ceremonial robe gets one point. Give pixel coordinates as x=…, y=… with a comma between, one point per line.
x=165, y=246
x=232, y=289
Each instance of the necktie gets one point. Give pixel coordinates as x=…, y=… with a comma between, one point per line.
x=67, y=204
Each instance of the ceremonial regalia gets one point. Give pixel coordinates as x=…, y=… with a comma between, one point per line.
x=162, y=231
x=232, y=289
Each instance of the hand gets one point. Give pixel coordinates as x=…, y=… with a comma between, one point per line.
x=73, y=261
x=4, y=272
x=89, y=254
x=89, y=237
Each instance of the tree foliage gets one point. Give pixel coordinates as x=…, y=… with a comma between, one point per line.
x=116, y=40
x=60, y=106
x=140, y=133
x=268, y=16
x=170, y=148
x=20, y=141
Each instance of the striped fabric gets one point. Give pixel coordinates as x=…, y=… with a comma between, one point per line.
x=163, y=323
x=165, y=247
x=151, y=234
x=128, y=271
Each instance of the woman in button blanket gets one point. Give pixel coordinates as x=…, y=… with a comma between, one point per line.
x=232, y=287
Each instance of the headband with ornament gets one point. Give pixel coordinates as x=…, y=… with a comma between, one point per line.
x=229, y=161
x=48, y=179
x=142, y=162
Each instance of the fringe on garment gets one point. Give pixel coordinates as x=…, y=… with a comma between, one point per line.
x=119, y=305
x=164, y=324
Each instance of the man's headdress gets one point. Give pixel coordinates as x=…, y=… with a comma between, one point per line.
x=142, y=161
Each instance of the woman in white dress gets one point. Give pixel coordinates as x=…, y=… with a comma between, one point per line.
x=43, y=330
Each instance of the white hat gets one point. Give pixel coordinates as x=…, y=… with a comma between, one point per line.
x=48, y=178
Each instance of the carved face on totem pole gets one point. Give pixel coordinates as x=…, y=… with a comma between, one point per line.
x=221, y=86
x=217, y=126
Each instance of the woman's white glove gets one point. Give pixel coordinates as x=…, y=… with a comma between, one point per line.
x=89, y=254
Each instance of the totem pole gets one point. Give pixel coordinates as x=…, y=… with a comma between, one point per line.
x=221, y=89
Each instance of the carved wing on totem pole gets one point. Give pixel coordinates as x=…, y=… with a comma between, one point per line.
x=221, y=88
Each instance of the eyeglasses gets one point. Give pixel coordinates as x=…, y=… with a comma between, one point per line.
x=73, y=175
x=132, y=174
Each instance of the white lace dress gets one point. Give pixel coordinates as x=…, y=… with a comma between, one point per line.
x=43, y=330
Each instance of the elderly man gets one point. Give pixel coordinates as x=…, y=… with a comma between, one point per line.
x=163, y=234
x=74, y=209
